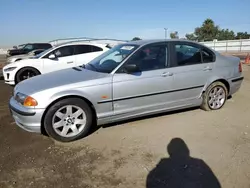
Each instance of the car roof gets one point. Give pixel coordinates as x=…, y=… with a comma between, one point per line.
x=37, y=43
x=149, y=41
x=82, y=42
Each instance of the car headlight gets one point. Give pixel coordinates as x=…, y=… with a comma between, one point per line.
x=25, y=100
x=9, y=69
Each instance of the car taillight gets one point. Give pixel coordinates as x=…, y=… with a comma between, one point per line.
x=240, y=67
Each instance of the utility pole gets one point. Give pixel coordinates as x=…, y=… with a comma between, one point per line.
x=166, y=32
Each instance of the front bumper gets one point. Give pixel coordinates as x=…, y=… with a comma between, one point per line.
x=9, y=77
x=28, y=119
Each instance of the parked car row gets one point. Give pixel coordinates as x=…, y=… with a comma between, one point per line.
x=55, y=58
x=26, y=48
x=15, y=58
x=129, y=80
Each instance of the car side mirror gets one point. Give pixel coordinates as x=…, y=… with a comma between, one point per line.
x=131, y=68
x=52, y=56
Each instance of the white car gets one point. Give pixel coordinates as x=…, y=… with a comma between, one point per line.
x=15, y=58
x=56, y=58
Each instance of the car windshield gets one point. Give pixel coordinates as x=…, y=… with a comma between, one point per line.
x=28, y=47
x=20, y=46
x=42, y=53
x=109, y=60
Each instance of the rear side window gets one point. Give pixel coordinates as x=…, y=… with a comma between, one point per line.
x=96, y=49
x=187, y=54
x=81, y=49
x=207, y=56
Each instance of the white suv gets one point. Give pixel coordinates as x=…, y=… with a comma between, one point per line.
x=56, y=58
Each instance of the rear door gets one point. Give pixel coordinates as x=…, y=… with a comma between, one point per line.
x=191, y=66
x=85, y=53
x=64, y=58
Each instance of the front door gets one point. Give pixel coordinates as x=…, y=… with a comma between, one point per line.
x=192, y=67
x=64, y=58
x=148, y=89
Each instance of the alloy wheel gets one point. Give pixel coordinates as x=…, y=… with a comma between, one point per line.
x=217, y=97
x=69, y=121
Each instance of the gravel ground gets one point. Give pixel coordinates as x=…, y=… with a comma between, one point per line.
x=209, y=148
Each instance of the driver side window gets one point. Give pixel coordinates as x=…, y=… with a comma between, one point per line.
x=152, y=57
x=62, y=52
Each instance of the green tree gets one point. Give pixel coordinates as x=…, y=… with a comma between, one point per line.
x=174, y=35
x=191, y=36
x=206, y=32
x=136, y=38
x=225, y=34
x=242, y=35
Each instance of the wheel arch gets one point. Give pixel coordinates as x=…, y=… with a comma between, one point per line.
x=222, y=80
x=66, y=97
x=26, y=67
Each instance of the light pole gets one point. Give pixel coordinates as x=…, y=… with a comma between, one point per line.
x=166, y=32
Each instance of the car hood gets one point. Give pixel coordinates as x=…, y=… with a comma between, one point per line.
x=18, y=56
x=66, y=78
x=25, y=62
x=15, y=51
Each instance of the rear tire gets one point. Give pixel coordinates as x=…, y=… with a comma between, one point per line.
x=214, y=97
x=26, y=73
x=68, y=120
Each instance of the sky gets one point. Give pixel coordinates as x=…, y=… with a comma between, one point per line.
x=23, y=21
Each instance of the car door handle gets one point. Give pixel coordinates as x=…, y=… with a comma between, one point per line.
x=207, y=69
x=70, y=62
x=167, y=74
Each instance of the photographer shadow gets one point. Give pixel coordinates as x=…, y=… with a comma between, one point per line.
x=181, y=170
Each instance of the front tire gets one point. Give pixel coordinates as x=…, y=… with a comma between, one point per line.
x=214, y=97
x=26, y=73
x=68, y=120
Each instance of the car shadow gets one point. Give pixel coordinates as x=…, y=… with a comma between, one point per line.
x=122, y=122
x=181, y=170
